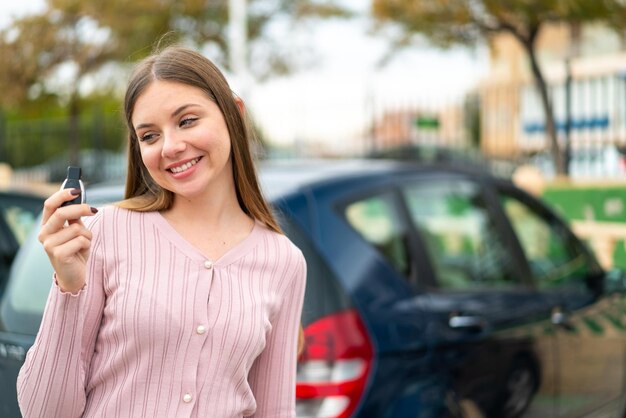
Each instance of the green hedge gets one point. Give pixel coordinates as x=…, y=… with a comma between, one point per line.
x=602, y=203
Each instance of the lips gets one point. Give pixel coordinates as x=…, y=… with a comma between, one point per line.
x=184, y=167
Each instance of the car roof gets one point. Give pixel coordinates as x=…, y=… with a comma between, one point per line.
x=282, y=177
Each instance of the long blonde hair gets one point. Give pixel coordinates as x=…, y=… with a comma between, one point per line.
x=185, y=66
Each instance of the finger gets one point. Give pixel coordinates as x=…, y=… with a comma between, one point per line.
x=56, y=200
x=66, y=253
x=50, y=241
x=57, y=219
x=56, y=224
x=59, y=237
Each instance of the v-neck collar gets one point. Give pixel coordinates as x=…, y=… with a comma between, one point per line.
x=240, y=249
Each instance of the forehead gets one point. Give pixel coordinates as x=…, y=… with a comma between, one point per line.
x=167, y=96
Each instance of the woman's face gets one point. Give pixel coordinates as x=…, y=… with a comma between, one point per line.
x=183, y=140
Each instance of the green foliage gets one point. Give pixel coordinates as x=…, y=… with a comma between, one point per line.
x=86, y=35
x=449, y=22
x=49, y=138
x=44, y=128
x=54, y=53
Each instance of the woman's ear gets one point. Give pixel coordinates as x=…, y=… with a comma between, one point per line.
x=241, y=105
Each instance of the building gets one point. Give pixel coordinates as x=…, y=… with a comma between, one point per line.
x=419, y=125
x=585, y=68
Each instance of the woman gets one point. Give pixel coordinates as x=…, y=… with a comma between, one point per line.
x=183, y=300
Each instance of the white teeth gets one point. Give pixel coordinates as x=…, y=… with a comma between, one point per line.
x=185, y=166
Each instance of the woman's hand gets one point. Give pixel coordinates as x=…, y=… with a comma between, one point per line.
x=66, y=239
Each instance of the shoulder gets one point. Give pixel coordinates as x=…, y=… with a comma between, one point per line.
x=111, y=216
x=279, y=241
x=104, y=214
x=283, y=251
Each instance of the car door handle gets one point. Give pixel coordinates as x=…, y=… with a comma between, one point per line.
x=561, y=319
x=475, y=323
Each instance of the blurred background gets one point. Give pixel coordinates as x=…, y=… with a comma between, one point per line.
x=534, y=90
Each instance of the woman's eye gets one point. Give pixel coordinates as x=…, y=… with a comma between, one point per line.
x=147, y=137
x=187, y=122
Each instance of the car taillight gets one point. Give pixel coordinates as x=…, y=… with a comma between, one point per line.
x=334, y=366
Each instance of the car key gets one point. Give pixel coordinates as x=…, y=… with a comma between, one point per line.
x=73, y=181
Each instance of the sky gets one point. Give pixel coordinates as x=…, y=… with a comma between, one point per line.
x=333, y=101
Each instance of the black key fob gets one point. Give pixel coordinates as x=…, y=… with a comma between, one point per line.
x=73, y=181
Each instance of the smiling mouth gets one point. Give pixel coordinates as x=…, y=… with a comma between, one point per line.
x=184, y=167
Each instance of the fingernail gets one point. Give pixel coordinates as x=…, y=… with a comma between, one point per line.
x=94, y=210
x=75, y=192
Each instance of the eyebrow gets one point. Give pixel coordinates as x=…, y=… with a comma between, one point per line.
x=175, y=113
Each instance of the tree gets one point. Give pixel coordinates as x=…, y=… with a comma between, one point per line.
x=55, y=51
x=468, y=22
x=51, y=47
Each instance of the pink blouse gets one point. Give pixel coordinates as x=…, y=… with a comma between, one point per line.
x=161, y=331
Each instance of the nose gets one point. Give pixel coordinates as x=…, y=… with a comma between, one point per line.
x=173, y=144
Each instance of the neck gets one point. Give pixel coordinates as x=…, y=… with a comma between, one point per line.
x=212, y=225
x=218, y=209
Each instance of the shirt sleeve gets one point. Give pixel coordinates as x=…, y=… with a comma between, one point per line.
x=273, y=374
x=51, y=383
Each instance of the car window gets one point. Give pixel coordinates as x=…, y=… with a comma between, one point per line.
x=20, y=213
x=377, y=219
x=465, y=246
x=553, y=255
x=20, y=221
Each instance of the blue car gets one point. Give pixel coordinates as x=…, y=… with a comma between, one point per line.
x=432, y=291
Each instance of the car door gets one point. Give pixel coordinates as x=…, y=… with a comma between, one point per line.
x=490, y=330
x=386, y=266
x=591, y=325
x=18, y=212
x=21, y=308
